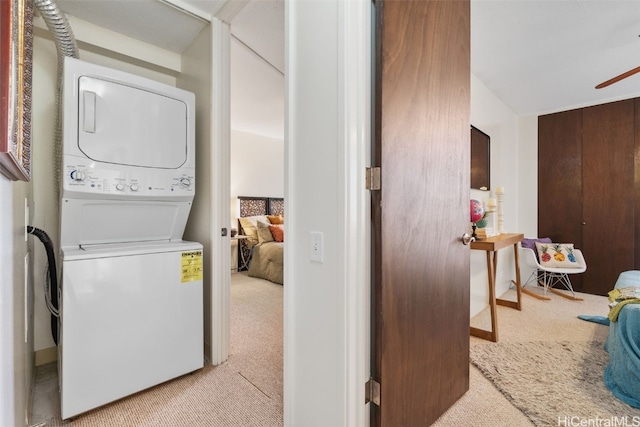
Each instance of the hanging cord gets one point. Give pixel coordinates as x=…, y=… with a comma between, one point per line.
x=65, y=43
x=51, y=280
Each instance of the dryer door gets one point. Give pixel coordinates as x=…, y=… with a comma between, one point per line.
x=126, y=125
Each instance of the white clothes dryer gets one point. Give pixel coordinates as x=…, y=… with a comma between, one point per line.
x=131, y=309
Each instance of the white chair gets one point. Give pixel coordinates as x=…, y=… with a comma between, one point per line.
x=548, y=278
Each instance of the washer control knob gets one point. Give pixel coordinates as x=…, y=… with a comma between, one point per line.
x=77, y=175
x=134, y=187
x=120, y=186
x=185, y=182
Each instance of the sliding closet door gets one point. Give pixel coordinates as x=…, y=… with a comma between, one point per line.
x=587, y=180
x=421, y=266
x=560, y=180
x=608, y=199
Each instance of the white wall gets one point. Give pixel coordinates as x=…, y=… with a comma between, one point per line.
x=16, y=299
x=327, y=138
x=494, y=118
x=527, y=181
x=257, y=165
x=196, y=77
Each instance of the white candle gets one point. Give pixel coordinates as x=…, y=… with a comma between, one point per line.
x=500, y=190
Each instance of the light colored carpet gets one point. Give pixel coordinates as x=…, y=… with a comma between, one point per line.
x=245, y=391
x=555, y=320
x=552, y=381
x=222, y=396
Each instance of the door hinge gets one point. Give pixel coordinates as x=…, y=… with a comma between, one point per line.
x=372, y=180
x=372, y=392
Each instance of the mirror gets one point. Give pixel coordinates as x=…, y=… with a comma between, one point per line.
x=480, y=154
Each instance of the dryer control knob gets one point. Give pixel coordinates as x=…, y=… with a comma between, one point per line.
x=185, y=182
x=77, y=175
x=120, y=186
x=134, y=187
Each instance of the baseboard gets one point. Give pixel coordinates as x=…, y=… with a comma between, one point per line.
x=46, y=355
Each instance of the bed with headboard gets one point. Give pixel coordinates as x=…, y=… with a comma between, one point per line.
x=262, y=220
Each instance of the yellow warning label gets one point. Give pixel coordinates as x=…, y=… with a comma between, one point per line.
x=191, y=266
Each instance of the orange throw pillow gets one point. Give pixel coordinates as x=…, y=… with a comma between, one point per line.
x=275, y=219
x=278, y=232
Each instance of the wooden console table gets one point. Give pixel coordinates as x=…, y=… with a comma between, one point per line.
x=492, y=245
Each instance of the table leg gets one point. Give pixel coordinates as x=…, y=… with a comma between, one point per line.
x=518, y=282
x=514, y=304
x=492, y=267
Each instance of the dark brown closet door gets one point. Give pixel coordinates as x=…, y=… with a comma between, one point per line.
x=560, y=179
x=608, y=198
x=421, y=310
x=637, y=184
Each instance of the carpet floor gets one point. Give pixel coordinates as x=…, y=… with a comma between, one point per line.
x=552, y=381
x=246, y=391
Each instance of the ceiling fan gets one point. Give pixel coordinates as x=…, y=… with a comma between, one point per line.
x=618, y=78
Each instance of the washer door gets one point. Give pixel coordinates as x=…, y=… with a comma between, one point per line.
x=126, y=125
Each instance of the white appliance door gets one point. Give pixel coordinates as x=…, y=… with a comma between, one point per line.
x=126, y=125
x=129, y=320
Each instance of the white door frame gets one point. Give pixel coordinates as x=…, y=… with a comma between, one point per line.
x=353, y=54
x=220, y=183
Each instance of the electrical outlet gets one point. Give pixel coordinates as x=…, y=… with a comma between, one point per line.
x=317, y=248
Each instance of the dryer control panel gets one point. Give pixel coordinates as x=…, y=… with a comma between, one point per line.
x=83, y=178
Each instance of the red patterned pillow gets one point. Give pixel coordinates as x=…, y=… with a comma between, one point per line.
x=277, y=230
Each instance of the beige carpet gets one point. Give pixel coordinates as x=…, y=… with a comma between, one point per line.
x=222, y=396
x=245, y=391
x=552, y=381
x=555, y=320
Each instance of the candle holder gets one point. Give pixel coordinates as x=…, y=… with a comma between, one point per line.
x=473, y=233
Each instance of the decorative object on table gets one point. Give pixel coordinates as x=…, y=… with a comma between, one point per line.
x=500, y=212
x=483, y=221
x=487, y=225
x=476, y=213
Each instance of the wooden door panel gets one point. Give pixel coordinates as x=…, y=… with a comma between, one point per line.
x=560, y=179
x=608, y=196
x=637, y=184
x=422, y=268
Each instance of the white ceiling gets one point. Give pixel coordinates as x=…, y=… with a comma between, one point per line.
x=542, y=56
x=537, y=56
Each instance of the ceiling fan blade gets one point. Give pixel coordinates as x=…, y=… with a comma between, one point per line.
x=618, y=78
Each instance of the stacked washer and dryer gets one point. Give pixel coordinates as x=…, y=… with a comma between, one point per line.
x=131, y=305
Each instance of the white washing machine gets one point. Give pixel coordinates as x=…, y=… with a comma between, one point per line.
x=131, y=309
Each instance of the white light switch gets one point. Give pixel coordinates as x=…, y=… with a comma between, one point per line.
x=317, y=246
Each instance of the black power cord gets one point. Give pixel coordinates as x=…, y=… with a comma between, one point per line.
x=53, y=277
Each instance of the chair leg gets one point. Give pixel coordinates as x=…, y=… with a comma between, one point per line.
x=534, y=277
x=564, y=280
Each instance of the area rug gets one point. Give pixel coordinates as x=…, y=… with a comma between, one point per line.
x=554, y=383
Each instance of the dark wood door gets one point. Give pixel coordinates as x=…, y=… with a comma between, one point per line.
x=586, y=188
x=637, y=184
x=421, y=267
x=608, y=198
x=560, y=180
